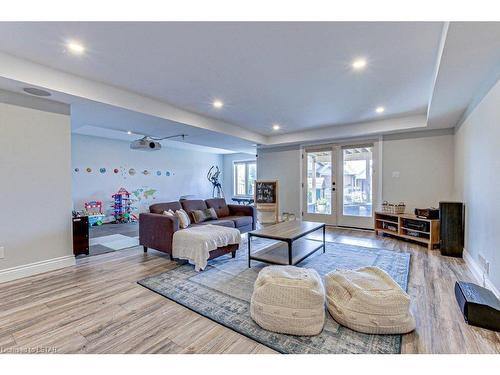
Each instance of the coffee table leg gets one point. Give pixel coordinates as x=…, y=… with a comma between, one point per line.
x=249, y=240
x=324, y=243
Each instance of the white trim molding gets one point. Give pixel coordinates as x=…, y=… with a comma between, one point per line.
x=36, y=268
x=478, y=273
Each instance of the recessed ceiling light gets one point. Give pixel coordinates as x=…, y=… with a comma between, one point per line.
x=358, y=64
x=217, y=104
x=129, y=132
x=75, y=47
x=276, y=127
x=380, y=109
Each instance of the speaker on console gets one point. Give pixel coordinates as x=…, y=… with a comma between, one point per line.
x=451, y=228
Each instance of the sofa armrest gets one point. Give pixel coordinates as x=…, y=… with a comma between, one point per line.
x=156, y=231
x=241, y=210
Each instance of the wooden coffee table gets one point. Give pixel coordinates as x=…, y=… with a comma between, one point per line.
x=295, y=248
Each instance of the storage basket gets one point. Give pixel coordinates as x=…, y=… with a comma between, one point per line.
x=393, y=208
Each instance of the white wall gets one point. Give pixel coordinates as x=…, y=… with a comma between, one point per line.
x=424, y=162
x=35, y=165
x=188, y=171
x=283, y=165
x=477, y=182
x=228, y=172
x=417, y=170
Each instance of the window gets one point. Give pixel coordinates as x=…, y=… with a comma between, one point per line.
x=245, y=173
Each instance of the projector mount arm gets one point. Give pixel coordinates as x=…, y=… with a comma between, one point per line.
x=171, y=136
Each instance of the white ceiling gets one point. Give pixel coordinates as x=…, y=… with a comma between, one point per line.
x=103, y=120
x=469, y=66
x=159, y=78
x=97, y=119
x=295, y=74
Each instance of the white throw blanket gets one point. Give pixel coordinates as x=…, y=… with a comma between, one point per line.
x=195, y=243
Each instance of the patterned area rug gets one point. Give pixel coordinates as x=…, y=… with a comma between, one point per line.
x=222, y=293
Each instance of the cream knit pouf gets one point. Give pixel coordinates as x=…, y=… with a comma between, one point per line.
x=368, y=300
x=289, y=300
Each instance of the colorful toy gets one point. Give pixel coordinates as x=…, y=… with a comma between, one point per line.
x=93, y=207
x=122, y=206
x=93, y=210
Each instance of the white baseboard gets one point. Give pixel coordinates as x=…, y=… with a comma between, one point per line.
x=31, y=269
x=478, y=274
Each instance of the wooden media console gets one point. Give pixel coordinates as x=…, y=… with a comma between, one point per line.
x=408, y=227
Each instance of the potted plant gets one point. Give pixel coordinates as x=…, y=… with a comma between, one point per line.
x=321, y=205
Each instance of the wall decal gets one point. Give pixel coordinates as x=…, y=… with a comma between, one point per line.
x=116, y=170
x=145, y=172
x=102, y=170
x=143, y=197
x=167, y=173
x=131, y=171
x=77, y=170
x=89, y=170
x=158, y=173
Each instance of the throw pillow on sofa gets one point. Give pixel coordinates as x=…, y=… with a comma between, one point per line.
x=204, y=215
x=184, y=220
x=169, y=213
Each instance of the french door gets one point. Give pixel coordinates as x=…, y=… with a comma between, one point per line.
x=356, y=185
x=338, y=186
x=319, y=185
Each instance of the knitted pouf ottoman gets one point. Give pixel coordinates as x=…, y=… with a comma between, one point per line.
x=289, y=300
x=368, y=300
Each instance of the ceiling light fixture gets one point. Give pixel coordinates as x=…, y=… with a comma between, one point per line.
x=276, y=127
x=359, y=64
x=380, y=109
x=129, y=132
x=75, y=47
x=217, y=104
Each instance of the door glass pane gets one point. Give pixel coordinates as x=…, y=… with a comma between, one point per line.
x=252, y=175
x=240, y=178
x=319, y=182
x=358, y=170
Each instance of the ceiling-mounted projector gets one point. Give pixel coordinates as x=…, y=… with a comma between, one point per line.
x=145, y=144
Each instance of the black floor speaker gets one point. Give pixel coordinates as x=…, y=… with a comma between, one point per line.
x=451, y=228
x=481, y=308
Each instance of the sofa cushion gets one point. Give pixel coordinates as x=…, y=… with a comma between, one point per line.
x=159, y=208
x=169, y=213
x=240, y=221
x=204, y=215
x=184, y=220
x=224, y=223
x=220, y=206
x=189, y=205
